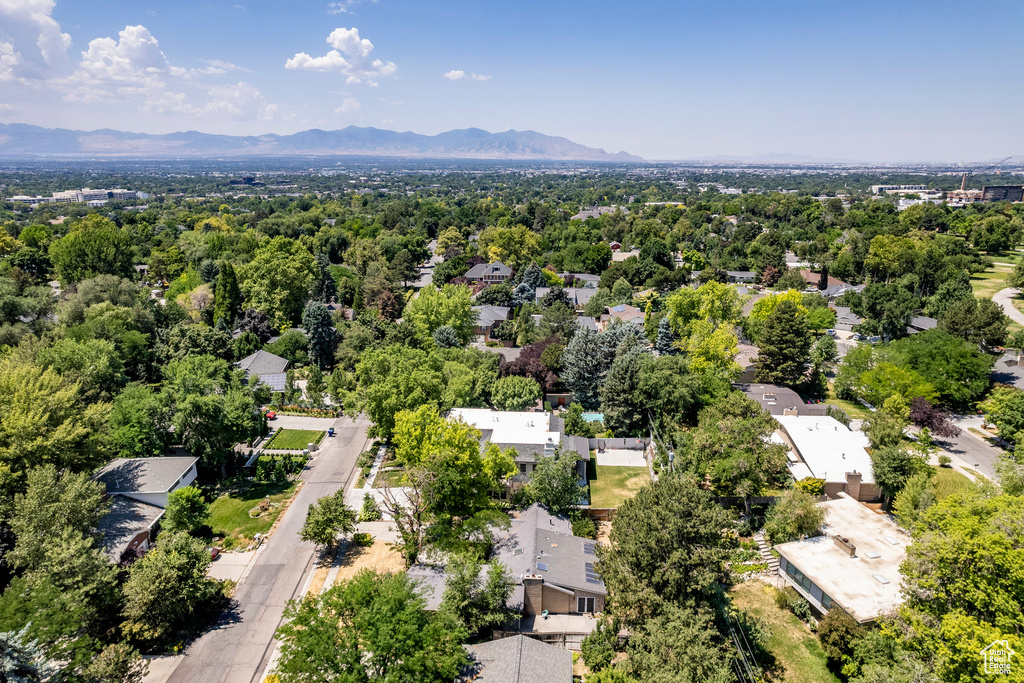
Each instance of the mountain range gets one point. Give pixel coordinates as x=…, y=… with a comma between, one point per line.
x=20, y=139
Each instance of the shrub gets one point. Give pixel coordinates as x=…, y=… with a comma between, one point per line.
x=366, y=458
x=944, y=460
x=838, y=632
x=583, y=526
x=362, y=540
x=369, y=512
x=598, y=647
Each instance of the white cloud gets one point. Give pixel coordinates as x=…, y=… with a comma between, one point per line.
x=218, y=67
x=348, y=104
x=32, y=45
x=343, y=6
x=241, y=101
x=350, y=56
x=7, y=109
x=459, y=74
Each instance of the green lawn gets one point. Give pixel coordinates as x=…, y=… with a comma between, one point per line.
x=294, y=439
x=394, y=478
x=229, y=514
x=991, y=281
x=798, y=655
x=855, y=410
x=610, y=486
x=948, y=482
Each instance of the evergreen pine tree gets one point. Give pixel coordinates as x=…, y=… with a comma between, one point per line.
x=784, y=343
x=665, y=344
x=320, y=333
x=325, y=289
x=227, y=295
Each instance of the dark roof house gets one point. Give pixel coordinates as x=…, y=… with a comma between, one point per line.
x=489, y=272
x=147, y=479
x=518, y=659
x=127, y=527
x=262, y=363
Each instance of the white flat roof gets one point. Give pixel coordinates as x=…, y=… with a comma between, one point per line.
x=510, y=427
x=828, y=447
x=852, y=581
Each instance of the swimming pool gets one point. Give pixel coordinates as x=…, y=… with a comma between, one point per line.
x=593, y=417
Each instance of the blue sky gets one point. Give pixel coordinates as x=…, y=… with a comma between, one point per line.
x=870, y=80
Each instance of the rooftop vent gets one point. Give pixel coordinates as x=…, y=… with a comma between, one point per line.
x=542, y=567
x=845, y=545
x=880, y=579
x=891, y=540
x=873, y=555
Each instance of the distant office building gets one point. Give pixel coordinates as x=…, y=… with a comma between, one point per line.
x=1002, y=193
x=84, y=196
x=897, y=189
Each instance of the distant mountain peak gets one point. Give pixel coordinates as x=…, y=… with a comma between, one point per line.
x=466, y=143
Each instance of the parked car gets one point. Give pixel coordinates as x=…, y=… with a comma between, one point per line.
x=830, y=332
x=857, y=337
x=271, y=415
x=874, y=340
x=214, y=551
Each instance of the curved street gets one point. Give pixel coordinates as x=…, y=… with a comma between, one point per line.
x=1004, y=297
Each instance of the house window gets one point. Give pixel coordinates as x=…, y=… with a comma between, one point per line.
x=826, y=601
x=585, y=604
x=522, y=469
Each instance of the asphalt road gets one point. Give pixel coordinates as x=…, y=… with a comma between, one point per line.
x=973, y=451
x=1004, y=297
x=239, y=648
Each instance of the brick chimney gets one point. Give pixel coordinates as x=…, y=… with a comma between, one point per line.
x=533, y=594
x=853, y=484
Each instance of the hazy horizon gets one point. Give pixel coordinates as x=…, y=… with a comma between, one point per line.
x=874, y=82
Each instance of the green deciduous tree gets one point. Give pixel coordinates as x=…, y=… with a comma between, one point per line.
x=893, y=466
x=94, y=246
x=474, y=601
x=371, y=628
x=167, y=593
x=679, y=646
x=916, y=496
x=792, y=515
x=327, y=520
x=554, y=482
x=978, y=321
x=666, y=548
x=515, y=393
x=186, y=510
x=278, y=280
x=450, y=305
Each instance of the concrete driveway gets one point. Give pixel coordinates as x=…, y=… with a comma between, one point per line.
x=238, y=649
x=1004, y=297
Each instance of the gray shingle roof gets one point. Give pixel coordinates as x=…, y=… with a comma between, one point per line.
x=518, y=659
x=127, y=519
x=538, y=536
x=275, y=380
x=488, y=315
x=143, y=475
x=578, y=295
x=482, y=269
x=263, y=363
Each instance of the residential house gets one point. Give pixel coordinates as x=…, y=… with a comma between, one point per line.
x=855, y=564
x=579, y=296
x=746, y=276
x=532, y=435
x=624, y=313
x=581, y=280
x=489, y=317
x=746, y=358
x=270, y=368
x=489, y=273
x=812, y=278
x=779, y=400
x=920, y=323
x=615, y=246
x=1008, y=370
x=846, y=319
x=554, y=567
x=824, y=448
x=517, y=659
x=139, y=489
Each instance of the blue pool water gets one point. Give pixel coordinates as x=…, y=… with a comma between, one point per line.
x=593, y=417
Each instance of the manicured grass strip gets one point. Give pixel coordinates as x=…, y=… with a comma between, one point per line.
x=798, y=655
x=611, y=486
x=395, y=478
x=229, y=514
x=948, y=482
x=294, y=439
x=991, y=281
x=853, y=409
